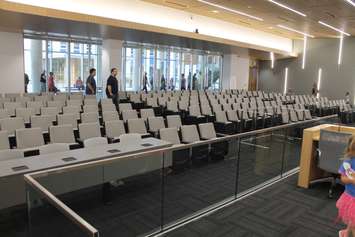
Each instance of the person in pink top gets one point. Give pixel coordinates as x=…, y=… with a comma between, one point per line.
x=51, y=85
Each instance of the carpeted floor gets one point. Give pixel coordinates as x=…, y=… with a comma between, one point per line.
x=280, y=210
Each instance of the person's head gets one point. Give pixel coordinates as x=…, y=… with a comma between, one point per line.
x=51, y=74
x=44, y=72
x=145, y=73
x=347, y=93
x=182, y=74
x=92, y=72
x=114, y=72
x=350, y=150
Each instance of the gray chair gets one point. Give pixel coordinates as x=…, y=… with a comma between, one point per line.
x=331, y=152
x=190, y=134
x=62, y=134
x=4, y=140
x=137, y=126
x=129, y=114
x=110, y=116
x=29, y=138
x=91, y=117
x=146, y=113
x=114, y=129
x=181, y=158
x=174, y=121
x=69, y=118
x=155, y=124
x=43, y=122
x=89, y=130
x=36, y=105
x=50, y=111
x=95, y=141
x=4, y=113
x=124, y=106
x=11, y=124
x=218, y=149
x=53, y=148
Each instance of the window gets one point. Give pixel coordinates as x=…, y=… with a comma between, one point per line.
x=70, y=63
x=165, y=65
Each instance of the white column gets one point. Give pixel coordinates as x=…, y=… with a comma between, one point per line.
x=36, y=65
x=235, y=72
x=11, y=63
x=111, y=58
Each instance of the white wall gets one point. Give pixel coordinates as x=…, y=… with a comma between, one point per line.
x=235, y=72
x=11, y=63
x=111, y=58
x=152, y=14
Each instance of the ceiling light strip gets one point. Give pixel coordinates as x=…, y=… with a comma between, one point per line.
x=231, y=10
x=351, y=2
x=296, y=31
x=304, y=52
x=340, y=55
x=286, y=79
x=288, y=8
x=272, y=57
x=319, y=81
x=333, y=28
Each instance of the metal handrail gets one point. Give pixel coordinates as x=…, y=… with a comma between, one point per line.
x=60, y=206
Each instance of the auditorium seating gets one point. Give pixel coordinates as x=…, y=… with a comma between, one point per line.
x=60, y=116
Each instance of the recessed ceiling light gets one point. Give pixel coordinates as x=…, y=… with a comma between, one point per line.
x=296, y=31
x=333, y=28
x=288, y=8
x=351, y=2
x=231, y=10
x=215, y=11
x=271, y=27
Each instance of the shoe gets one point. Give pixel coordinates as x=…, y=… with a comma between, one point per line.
x=343, y=233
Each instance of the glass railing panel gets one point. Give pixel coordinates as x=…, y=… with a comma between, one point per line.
x=201, y=177
x=46, y=218
x=260, y=158
x=119, y=196
x=134, y=201
x=293, y=145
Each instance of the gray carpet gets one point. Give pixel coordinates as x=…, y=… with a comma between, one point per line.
x=280, y=210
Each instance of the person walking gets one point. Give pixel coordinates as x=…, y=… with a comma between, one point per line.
x=112, y=86
x=43, y=81
x=27, y=81
x=91, y=83
x=183, y=82
x=145, y=82
x=51, y=83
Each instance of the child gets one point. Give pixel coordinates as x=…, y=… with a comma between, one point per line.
x=346, y=203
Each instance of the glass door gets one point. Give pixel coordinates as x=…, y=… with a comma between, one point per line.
x=162, y=69
x=131, y=72
x=58, y=64
x=198, y=70
x=77, y=63
x=174, y=70
x=186, y=68
x=148, y=65
x=214, y=67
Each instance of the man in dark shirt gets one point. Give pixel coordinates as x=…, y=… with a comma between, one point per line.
x=112, y=86
x=43, y=81
x=91, y=83
x=27, y=81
